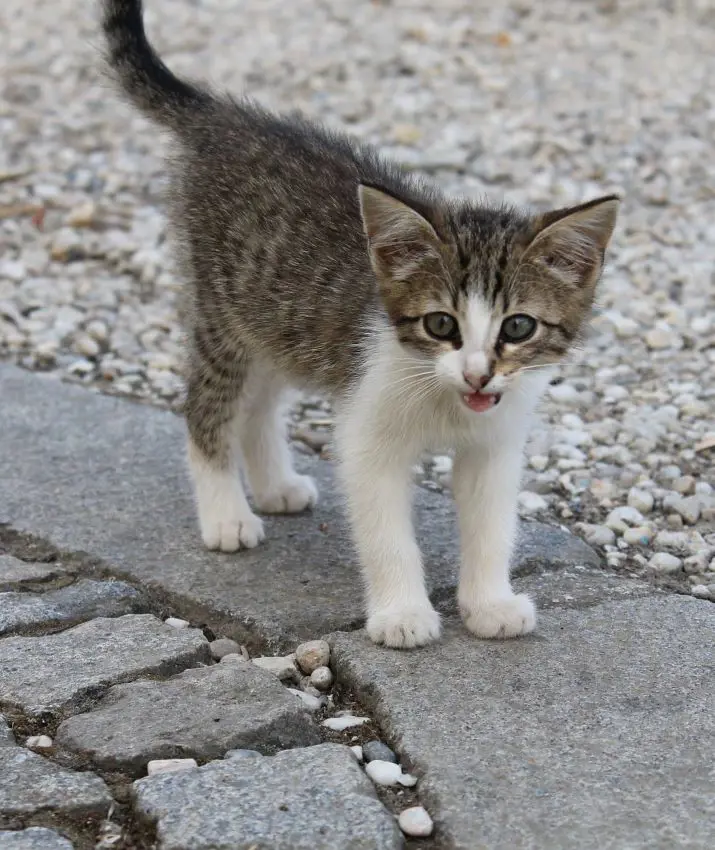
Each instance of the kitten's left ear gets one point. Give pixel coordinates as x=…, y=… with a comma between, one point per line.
x=573, y=241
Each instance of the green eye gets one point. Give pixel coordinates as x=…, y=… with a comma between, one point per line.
x=517, y=328
x=441, y=326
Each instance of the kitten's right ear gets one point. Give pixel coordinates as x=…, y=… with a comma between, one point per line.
x=399, y=239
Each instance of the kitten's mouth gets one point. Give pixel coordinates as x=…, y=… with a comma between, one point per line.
x=479, y=402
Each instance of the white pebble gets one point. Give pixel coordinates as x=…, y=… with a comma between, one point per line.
x=416, y=822
x=39, y=742
x=641, y=500
x=322, y=678
x=408, y=780
x=531, y=503
x=383, y=772
x=702, y=591
x=564, y=393
x=311, y=703
x=338, y=724
x=312, y=654
x=596, y=535
x=625, y=514
x=664, y=562
x=169, y=765
x=357, y=752
x=176, y=623
x=641, y=535
x=538, y=462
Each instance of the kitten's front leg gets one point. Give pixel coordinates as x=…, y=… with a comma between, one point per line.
x=377, y=479
x=486, y=488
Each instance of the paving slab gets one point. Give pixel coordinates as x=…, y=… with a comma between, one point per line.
x=75, y=603
x=32, y=785
x=34, y=838
x=596, y=732
x=200, y=713
x=64, y=673
x=316, y=798
x=120, y=491
x=16, y=574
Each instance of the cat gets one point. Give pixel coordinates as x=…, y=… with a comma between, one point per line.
x=431, y=322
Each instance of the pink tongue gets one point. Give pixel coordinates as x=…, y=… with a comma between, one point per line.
x=480, y=402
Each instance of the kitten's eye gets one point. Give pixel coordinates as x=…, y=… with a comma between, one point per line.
x=441, y=326
x=517, y=328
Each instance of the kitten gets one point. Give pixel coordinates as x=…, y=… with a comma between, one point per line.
x=431, y=323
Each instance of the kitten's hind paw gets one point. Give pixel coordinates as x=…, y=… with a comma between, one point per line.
x=404, y=627
x=296, y=494
x=500, y=618
x=230, y=535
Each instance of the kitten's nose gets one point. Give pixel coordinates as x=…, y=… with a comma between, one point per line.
x=476, y=382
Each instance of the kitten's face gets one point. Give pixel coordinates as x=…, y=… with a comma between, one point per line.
x=492, y=294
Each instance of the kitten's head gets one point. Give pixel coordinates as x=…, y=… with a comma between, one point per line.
x=478, y=294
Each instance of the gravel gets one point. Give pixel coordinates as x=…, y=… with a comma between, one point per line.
x=459, y=90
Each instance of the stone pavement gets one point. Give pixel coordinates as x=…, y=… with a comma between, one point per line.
x=595, y=732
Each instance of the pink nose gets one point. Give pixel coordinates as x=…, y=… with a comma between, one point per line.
x=477, y=382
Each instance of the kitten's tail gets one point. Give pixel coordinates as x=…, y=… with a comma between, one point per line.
x=145, y=79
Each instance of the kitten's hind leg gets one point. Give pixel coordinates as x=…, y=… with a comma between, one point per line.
x=225, y=517
x=277, y=488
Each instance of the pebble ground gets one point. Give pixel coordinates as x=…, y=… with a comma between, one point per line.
x=546, y=104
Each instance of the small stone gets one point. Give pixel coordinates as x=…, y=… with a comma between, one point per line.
x=339, y=724
x=416, y=822
x=39, y=742
x=408, y=780
x=312, y=654
x=309, y=688
x=674, y=520
x=357, y=752
x=662, y=337
x=531, y=503
x=641, y=535
x=702, y=488
x=702, y=592
x=684, y=485
x=322, y=678
x=564, y=393
x=688, y=542
x=377, y=751
x=311, y=703
x=664, y=562
x=282, y=666
x=696, y=564
x=169, y=765
x=641, y=500
x=596, y=535
x=625, y=514
x=383, y=772
x=224, y=646
x=538, y=462
x=176, y=623
x=689, y=509
x=83, y=216
x=669, y=473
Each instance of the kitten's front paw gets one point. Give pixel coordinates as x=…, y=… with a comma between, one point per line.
x=500, y=618
x=404, y=627
x=231, y=533
x=291, y=497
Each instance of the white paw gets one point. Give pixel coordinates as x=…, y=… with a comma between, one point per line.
x=231, y=533
x=291, y=497
x=500, y=618
x=405, y=626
